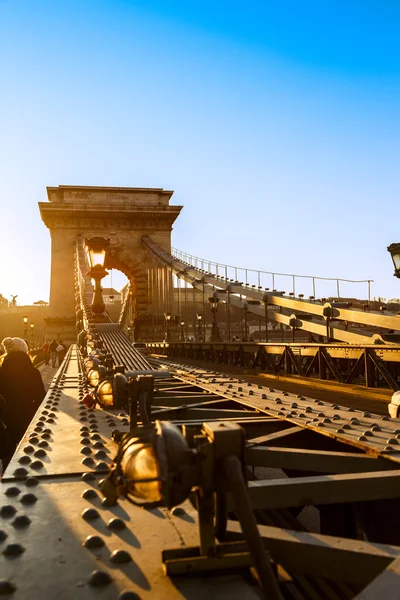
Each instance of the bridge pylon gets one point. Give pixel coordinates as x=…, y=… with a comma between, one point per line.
x=120, y=214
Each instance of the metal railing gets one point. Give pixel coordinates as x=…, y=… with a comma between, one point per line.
x=261, y=278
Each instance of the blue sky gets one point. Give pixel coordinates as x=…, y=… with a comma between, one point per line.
x=275, y=122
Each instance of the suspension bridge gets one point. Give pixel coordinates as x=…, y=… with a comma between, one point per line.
x=173, y=474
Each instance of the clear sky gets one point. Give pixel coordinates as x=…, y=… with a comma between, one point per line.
x=276, y=122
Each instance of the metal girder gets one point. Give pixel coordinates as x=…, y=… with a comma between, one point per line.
x=386, y=585
x=340, y=363
x=368, y=432
x=324, y=489
x=320, y=461
x=352, y=561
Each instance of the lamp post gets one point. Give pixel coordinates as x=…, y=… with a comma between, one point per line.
x=96, y=248
x=129, y=333
x=182, y=336
x=394, y=250
x=215, y=335
x=25, y=327
x=167, y=317
x=199, y=318
x=246, y=327
x=32, y=333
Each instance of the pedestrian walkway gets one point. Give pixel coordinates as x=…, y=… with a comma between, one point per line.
x=47, y=372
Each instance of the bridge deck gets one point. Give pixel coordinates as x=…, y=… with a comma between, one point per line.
x=50, y=499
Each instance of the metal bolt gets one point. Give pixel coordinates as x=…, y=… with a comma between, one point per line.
x=6, y=587
x=39, y=453
x=93, y=541
x=12, y=491
x=13, y=550
x=89, y=493
x=8, y=510
x=32, y=482
x=90, y=514
x=88, y=477
x=37, y=464
x=120, y=557
x=28, y=498
x=99, y=578
x=116, y=523
x=21, y=521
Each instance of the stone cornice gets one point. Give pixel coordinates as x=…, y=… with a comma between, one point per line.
x=56, y=215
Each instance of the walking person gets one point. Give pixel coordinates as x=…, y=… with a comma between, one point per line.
x=61, y=352
x=22, y=389
x=53, y=353
x=46, y=351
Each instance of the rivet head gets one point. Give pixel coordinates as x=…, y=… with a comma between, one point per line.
x=89, y=493
x=120, y=556
x=88, y=477
x=40, y=453
x=84, y=428
x=93, y=541
x=20, y=472
x=96, y=436
x=98, y=445
x=32, y=482
x=99, y=578
x=178, y=511
x=12, y=491
x=85, y=442
x=3, y=535
x=21, y=521
x=86, y=450
x=392, y=441
x=102, y=465
x=90, y=514
x=43, y=443
x=88, y=461
x=278, y=401
x=128, y=595
x=100, y=454
x=13, y=550
x=37, y=464
x=28, y=498
x=116, y=523
x=8, y=510
x=6, y=588
x=29, y=449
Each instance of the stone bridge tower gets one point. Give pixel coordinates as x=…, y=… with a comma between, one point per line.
x=123, y=215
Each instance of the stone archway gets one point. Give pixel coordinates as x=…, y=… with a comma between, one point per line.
x=123, y=215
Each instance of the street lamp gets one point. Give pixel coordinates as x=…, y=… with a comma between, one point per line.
x=167, y=317
x=95, y=249
x=394, y=250
x=199, y=318
x=25, y=327
x=182, y=331
x=130, y=333
x=32, y=329
x=215, y=336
